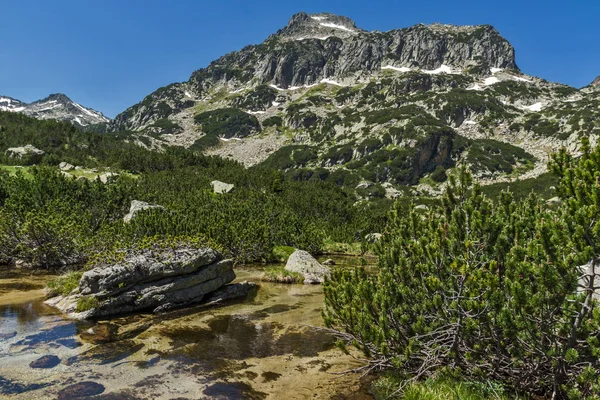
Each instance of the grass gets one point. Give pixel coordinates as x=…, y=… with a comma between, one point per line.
x=281, y=253
x=331, y=247
x=12, y=170
x=442, y=389
x=281, y=275
x=64, y=284
x=86, y=303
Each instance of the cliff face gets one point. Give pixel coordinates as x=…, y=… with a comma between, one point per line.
x=326, y=47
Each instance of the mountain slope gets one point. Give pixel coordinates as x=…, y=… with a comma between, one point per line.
x=56, y=106
x=323, y=99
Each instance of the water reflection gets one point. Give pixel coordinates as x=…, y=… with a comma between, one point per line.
x=23, y=317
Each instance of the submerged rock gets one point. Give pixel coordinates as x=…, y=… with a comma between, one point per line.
x=45, y=362
x=137, y=206
x=303, y=263
x=81, y=390
x=152, y=280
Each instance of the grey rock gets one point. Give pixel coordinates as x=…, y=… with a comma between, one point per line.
x=27, y=154
x=554, y=201
x=421, y=208
x=221, y=187
x=329, y=261
x=48, y=361
x=65, y=166
x=154, y=280
x=364, y=185
x=596, y=82
x=137, y=206
x=373, y=237
x=105, y=177
x=303, y=263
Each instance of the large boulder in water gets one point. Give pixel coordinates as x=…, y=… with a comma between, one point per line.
x=303, y=263
x=155, y=280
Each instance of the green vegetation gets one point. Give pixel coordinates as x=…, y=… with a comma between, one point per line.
x=86, y=303
x=51, y=220
x=483, y=289
x=166, y=126
x=227, y=122
x=65, y=283
x=441, y=389
x=281, y=275
x=258, y=99
x=273, y=121
x=542, y=186
x=492, y=156
x=281, y=253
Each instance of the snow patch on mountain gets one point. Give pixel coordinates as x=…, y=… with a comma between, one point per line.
x=443, y=69
x=399, y=69
x=491, y=80
x=535, y=107
x=336, y=26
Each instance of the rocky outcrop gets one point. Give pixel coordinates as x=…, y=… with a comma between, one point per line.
x=303, y=263
x=596, y=82
x=65, y=166
x=153, y=280
x=137, y=206
x=221, y=187
x=27, y=154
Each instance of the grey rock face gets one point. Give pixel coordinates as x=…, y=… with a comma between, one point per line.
x=221, y=187
x=56, y=106
x=137, y=206
x=318, y=26
x=154, y=281
x=303, y=263
x=315, y=47
x=27, y=154
x=596, y=82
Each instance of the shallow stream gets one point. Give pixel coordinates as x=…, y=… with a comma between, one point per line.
x=263, y=348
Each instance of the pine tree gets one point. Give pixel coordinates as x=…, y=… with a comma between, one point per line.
x=479, y=288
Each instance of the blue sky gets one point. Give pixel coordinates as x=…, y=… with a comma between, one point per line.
x=109, y=54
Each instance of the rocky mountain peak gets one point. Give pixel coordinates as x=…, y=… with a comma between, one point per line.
x=596, y=82
x=10, y=104
x=63, y=98
x=320, y=26
x=328, y=49
x=56, y=106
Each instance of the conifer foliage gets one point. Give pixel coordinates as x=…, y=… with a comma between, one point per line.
x=484, y=289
